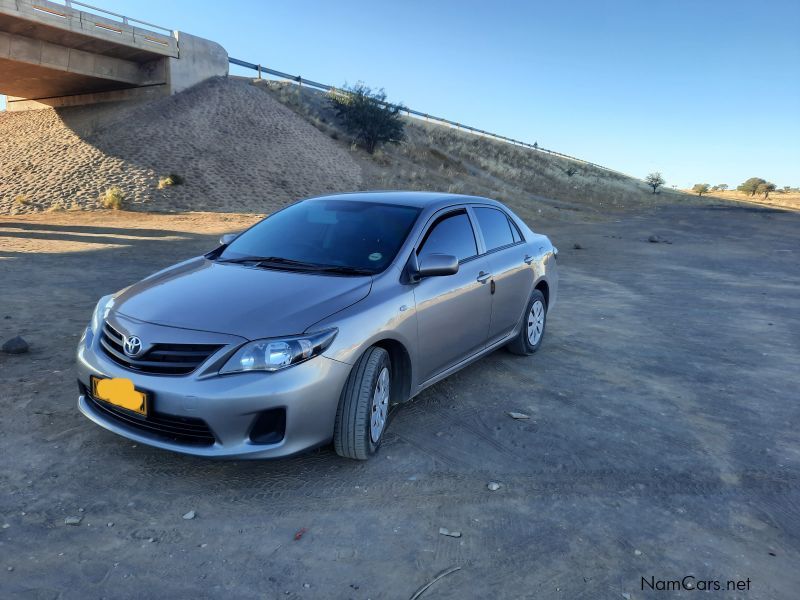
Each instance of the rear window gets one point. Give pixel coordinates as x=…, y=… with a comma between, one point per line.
x=495, y=228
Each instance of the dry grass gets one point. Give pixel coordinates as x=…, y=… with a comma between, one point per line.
x=112, y=199
x=778, y=199
x=439, y=158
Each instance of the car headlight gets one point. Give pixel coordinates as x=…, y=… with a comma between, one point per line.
x=278, y=353
x=101, y=312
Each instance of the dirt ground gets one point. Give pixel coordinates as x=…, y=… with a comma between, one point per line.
x=663, y=439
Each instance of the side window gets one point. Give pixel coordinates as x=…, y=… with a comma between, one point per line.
x=450, y=235
x=495, y=228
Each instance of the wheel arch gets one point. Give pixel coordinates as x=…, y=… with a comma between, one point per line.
x=543, y=287
x=401, y=367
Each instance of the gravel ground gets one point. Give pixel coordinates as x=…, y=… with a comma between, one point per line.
x=662, y=440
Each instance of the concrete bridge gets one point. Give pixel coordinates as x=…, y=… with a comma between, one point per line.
x=55, y=54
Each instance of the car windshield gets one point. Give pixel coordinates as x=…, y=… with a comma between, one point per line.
x=346, y=236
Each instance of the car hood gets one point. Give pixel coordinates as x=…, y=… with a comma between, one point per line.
x=246, y=301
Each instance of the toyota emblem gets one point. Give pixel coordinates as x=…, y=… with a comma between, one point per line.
x=132, y=346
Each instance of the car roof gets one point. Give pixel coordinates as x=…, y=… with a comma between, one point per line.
x=407, y=198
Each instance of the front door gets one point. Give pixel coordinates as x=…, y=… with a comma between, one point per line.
x=453, y=311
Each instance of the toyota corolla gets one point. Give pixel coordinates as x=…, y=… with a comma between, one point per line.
x=311, y=325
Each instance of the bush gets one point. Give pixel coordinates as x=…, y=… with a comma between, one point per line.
x=367, y=116
x=169, y=181
x=112, y=198
x=22, y=199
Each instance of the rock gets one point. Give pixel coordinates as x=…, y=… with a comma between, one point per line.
x=637, y=552
x=189, y=515
x=577, y=246
x=73, y=520
x=306, y=585
x=518, y=416
x=627, y=596
x=657, y=239
x=447, y=532
x=10, y=569
x=110, y=524
x=15, y=345
x=493, y=486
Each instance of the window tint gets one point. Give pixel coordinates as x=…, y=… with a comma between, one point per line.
x=334, y=233
x=452, y=235
x=495, y=228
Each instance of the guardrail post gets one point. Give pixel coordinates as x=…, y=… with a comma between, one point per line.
x=259, y=71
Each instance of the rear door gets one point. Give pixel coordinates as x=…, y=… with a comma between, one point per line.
x=511, y=275
x=453, y=311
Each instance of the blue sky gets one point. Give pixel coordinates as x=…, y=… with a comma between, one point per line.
x=702, y=91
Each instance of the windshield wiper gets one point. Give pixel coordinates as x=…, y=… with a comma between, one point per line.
x=343, y=269
x=277, y=261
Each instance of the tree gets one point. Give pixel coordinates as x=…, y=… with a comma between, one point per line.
x=751, y=185
x=720, y=187
x=654, y=180
x=367, y=116
x=765, y=188
x=700, y=188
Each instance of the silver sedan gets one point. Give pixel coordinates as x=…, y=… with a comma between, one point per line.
x=309, y=326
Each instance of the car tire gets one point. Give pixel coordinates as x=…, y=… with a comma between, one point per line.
x=530, y=336
x=365, y=401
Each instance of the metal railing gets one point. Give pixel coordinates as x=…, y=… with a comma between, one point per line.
x=418, y=114
x=102, y=12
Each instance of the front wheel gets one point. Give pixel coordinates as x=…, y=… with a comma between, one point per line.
x=364, y=406
x=531, y=334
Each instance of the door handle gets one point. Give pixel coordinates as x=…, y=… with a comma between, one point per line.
x=483, y=277
x=528, y=259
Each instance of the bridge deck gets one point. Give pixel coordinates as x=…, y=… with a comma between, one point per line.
x=71, y=28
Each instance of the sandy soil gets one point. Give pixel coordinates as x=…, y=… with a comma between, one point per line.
x=662, y=442
x=237, y=149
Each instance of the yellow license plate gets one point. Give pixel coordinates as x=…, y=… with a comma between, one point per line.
x=120, y=392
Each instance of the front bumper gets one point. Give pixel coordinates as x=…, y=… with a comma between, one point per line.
x=232, y=406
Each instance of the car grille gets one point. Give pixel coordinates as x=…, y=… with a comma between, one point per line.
x=170, y=428
x=161, y=359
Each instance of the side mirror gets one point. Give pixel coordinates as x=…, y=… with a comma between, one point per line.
x=227, y=238
x=434, y=265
